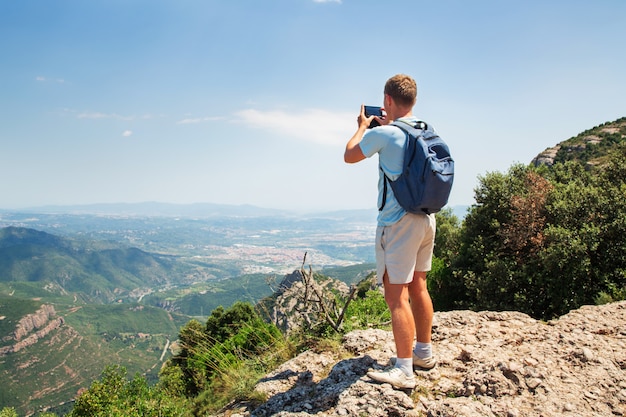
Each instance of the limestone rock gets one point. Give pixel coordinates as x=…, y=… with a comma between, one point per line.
x=31, y=328
x=490, y=364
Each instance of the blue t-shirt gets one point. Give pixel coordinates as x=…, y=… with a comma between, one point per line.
x=388, y=142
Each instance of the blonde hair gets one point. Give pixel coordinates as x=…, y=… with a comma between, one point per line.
x=402, y=89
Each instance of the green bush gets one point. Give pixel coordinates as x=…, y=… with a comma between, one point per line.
x=8, y=412
x=541, y=241
x=366, y=312
x=115, y=396
x=222, y=360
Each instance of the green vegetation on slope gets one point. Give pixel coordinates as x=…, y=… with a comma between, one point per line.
x=593, y=146
x=71, y=356
x=219, y=361
x=96, y=274
x=199, y=299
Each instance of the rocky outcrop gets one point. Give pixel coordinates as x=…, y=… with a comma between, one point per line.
x=490, y=364
x=288, y=281
x=296, y=301
x=576, y=146
x=33, y=321
x=31, y=328
x=546, y=157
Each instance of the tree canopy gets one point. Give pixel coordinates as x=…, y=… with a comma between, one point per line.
x=544, y=240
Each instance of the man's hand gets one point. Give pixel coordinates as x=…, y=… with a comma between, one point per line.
x=363, y=120
x=353, y=151
x=367, y=121
x=382, y=120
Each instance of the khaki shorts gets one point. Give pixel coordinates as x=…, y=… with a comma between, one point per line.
x=405, y=247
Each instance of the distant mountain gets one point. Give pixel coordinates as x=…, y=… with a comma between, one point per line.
x=18, y=236
x=204, y=210
x=98, y=272
x=159, y=209
x=590, y=147
x=195, y=210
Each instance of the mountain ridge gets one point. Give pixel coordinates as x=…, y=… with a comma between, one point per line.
x=203, y=210
x=590, y=146
x=152, y=208
x=100, y=274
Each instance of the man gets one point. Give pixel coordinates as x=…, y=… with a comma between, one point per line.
x=404, y=241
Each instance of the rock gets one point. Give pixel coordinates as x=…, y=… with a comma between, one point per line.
x=546, y=157
x=33, y=321
x=293, y=306
x=490, y=364
x=587, y=354
x=25, y=335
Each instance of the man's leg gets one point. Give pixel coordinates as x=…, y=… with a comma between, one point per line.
x=403, y=326
x=402, y=321
x=422, y=307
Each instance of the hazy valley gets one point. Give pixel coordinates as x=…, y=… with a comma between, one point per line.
x=83, y=288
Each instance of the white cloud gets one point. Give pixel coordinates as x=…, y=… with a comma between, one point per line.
x=93, y=115
x=127, y=133
x=44, y=79
x=314, y=125
x=197, y=120
x=99, y=115
x=327, y=1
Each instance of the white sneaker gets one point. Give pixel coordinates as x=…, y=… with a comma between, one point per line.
x=394, y=376
x=428, y=363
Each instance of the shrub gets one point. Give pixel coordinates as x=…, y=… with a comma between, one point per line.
x=369, y=311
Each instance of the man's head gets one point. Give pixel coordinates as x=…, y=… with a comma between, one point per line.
x=402, y=89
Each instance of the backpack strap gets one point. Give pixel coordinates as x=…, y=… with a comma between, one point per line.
x=382, y=204
x=418, y=125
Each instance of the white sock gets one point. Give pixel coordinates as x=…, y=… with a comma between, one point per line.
x=423, y=350
x=406, y=364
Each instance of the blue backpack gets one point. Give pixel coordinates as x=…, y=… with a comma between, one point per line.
x=427, y=174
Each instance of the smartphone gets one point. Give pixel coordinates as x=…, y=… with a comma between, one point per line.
x=373, y=111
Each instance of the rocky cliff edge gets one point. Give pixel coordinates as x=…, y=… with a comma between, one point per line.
x=490, y=364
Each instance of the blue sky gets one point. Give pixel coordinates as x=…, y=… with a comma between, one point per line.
x=252, y=101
